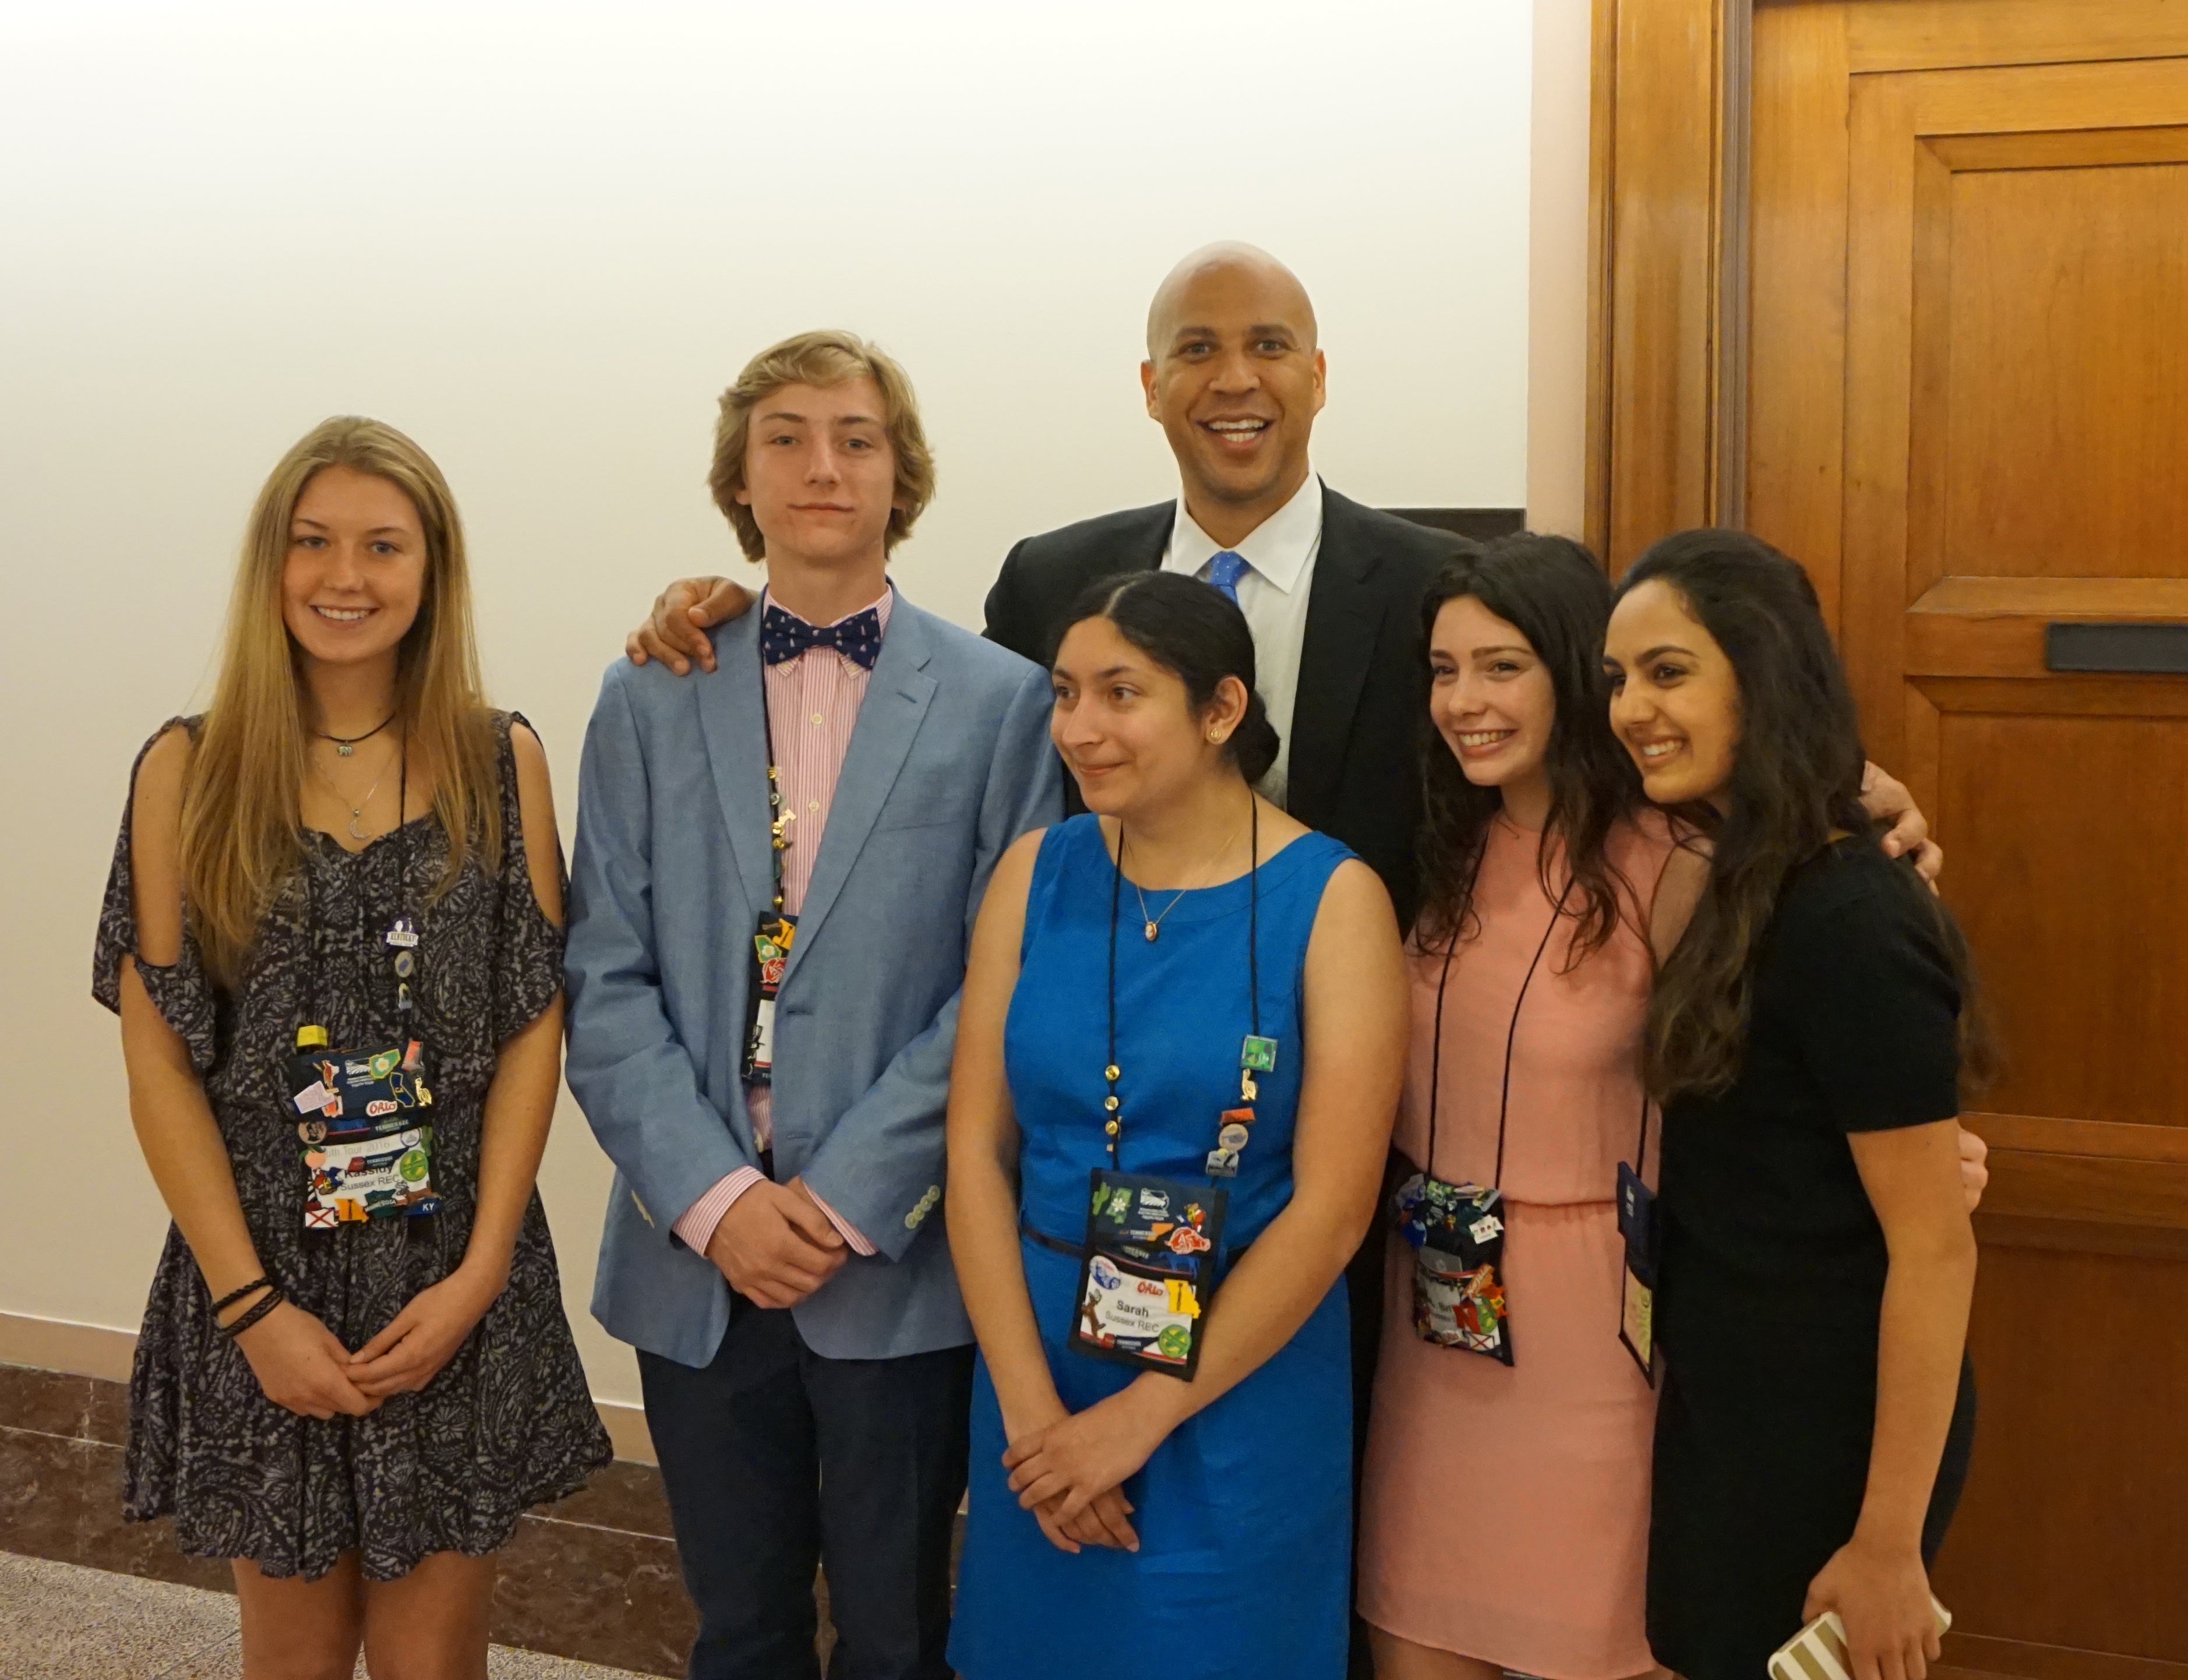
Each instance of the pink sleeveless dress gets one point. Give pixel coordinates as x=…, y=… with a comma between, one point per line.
x=1504, y=1511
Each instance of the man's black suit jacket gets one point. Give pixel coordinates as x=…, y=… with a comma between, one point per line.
x=1362, y=695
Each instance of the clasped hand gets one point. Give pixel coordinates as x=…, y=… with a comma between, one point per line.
x=1070, y=1471
x=423, y=1336
x=775, y=1246
x=302, y=1367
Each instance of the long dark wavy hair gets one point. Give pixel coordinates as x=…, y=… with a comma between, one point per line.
x=1796, y=776
x=1555, y=595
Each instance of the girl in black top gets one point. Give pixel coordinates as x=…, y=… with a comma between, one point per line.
x=1806, y=1034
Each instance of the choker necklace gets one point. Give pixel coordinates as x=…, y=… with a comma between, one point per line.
x=344, y=746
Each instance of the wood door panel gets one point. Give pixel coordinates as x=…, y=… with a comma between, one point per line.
x=2082, y=1365
x=2059, y=460
x=1887, y=35
x=2108, y=1139
x=2063, y=697
x=2088, y=1188
x=1796, y=360
x=1994, y=627
x=2067, y=969
x=1655, y=385
x=1966, y=404
x=1926, y=337
x=2078, y=1236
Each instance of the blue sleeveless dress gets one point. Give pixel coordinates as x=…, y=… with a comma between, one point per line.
x=1244, y=1512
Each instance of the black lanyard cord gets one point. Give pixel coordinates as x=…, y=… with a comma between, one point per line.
x=1113, y=1124
x=1511, y=1034
x=778, y=843
x=1253, y=909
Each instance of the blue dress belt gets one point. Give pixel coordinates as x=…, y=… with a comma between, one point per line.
x=1078, y=1250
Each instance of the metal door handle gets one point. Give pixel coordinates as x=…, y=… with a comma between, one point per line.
x=2144, y=649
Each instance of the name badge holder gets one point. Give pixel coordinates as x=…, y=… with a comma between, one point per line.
x=1457, y=1231
x=367, y=1148
x=1152, y=1254
x=1638, y=1225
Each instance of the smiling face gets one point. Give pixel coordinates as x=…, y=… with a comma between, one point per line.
x=1235, y=377
x=1127, y=726
x=1674, y=699
x=355, y=570
x=821, y=475
x=1492, y=699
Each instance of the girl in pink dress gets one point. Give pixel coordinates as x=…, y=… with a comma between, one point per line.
x=1505, y=1506
x=1504, y=1503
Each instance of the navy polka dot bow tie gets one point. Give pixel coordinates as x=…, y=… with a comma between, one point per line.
x=784, y=635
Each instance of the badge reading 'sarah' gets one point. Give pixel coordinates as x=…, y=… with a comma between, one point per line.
x=1148, y=1270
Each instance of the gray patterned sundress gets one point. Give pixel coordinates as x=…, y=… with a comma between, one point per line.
x=508, y=1422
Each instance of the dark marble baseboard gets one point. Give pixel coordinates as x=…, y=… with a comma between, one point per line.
x=593, y=1576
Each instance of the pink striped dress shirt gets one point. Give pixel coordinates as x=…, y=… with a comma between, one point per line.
x=812, y=706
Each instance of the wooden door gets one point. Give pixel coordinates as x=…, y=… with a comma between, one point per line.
x=1968, y=414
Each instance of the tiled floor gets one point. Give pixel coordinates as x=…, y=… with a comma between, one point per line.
x=61, y=1622
x=593, y=1577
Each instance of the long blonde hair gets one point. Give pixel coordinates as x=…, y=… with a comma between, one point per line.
x=241, y=839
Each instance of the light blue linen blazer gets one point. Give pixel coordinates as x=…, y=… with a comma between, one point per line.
x=950, y=762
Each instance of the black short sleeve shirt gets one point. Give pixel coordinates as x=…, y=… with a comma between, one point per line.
x=1854, y=1027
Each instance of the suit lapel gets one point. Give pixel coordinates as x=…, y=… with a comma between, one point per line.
x=897, y=698
x=1342, y=615
x=732, y=720
x=1146, y=549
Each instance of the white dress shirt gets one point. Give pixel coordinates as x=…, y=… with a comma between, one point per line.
x=1272, y=593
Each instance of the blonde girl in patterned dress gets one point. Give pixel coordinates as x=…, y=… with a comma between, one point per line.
x=348, y=849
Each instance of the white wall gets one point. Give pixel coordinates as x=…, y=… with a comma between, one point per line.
x=541, y=239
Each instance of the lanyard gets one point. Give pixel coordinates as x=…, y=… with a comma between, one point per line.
x=778, y=840
x=1113, y=1126
x=1511, y=1033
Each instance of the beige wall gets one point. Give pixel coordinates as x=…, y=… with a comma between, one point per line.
x=541, y=241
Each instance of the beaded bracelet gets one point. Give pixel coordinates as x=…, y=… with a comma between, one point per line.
x=233, y=1296
x=273, y=1297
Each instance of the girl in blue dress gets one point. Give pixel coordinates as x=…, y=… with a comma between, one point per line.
x=1194, y=1005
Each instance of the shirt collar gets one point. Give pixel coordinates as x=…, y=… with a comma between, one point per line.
x=1278, y=548
x=880, y=608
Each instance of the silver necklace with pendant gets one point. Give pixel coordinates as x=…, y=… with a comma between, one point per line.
x=1152, y=925
x=356, y=811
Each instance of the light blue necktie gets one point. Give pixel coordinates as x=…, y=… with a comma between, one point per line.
x=1225, y=570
